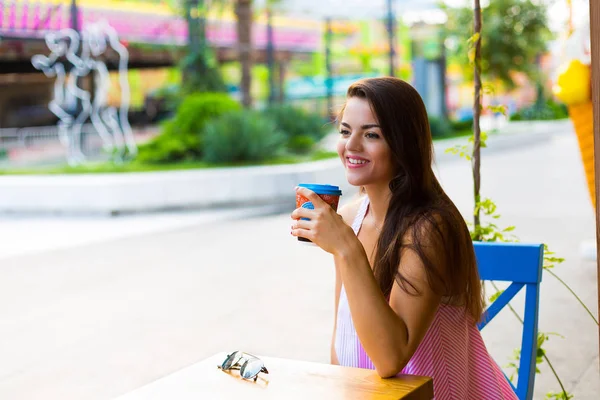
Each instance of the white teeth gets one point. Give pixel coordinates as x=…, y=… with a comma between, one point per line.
x=354, y=161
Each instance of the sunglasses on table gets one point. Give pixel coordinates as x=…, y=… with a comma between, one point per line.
x=250, y=366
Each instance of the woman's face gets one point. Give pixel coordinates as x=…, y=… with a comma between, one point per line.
x=362, y=147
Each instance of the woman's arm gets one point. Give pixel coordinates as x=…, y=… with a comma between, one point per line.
x=347, y=212
x=338, y=289
x=390, y=332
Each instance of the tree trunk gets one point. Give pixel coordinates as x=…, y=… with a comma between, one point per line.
x=328, y=69
x=243, y=12
x=271, y=56
x=391, y=38
x=191, y=8
x=476, y=159
x=281, y=76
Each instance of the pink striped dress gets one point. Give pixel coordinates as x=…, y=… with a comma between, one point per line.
x=452, y=351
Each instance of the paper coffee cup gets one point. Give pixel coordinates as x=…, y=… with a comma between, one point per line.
x=330, y=194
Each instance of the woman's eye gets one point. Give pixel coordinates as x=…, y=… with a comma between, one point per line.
x=372, y=135
x=344, y=132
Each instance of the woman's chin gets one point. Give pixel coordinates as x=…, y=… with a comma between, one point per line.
x=354, y=180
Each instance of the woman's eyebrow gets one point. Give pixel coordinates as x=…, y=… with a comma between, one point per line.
x=367, y=126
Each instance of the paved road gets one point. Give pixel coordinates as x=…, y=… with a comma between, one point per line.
x=90, y=313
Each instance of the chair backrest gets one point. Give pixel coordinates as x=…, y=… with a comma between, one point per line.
x=520, y=264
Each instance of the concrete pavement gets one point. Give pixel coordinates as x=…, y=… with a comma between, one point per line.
x=95, y=319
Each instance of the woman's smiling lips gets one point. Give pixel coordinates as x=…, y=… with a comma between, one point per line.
x=356, y=162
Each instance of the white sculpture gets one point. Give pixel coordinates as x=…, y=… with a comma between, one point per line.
x=64, y=44
x=112, y=125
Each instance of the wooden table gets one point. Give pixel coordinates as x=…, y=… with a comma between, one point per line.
x=287, y=379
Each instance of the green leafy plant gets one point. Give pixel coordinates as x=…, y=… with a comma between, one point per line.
x=516, y=33
x=301, y=144
x=440, y=127
x=458, y=126
x=181, y=138
x=295, y=122
x=161, y=103
x=241, y=137
x=202, y=73
x=549, y=110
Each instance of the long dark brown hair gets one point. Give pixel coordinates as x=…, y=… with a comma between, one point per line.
x=420, y=216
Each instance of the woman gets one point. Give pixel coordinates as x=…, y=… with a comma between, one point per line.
x=408, y=294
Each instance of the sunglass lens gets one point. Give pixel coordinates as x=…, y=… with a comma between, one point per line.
x=231, y=360
x=251, y=368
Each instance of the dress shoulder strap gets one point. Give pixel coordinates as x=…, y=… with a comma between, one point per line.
x=360, y=215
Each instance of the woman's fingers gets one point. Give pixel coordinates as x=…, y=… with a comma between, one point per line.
x=305, y=233
x=302, y=224
x=311, y=196
x=303, y=213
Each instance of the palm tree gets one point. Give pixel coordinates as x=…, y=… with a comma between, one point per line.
x=243, y=13
x=200, y=69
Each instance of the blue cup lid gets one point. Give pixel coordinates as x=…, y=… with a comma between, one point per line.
x=322, y=189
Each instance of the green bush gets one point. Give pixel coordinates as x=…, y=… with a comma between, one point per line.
x=301, y=144
x=296, y=122
x=459, y=126
x=550, y=110
x=440, y=127
x=181, y=138
x=240, y=137
x=161, y=103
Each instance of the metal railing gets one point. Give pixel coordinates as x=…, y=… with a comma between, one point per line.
x=43, y=144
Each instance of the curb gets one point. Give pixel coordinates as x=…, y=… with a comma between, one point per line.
x=125, y=193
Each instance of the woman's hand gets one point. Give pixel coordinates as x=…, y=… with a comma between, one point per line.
x=325, y=227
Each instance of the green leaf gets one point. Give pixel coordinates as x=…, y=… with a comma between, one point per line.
x=498, y=109
x=483, y=139
x=558, y=396
x=473, y=39
x=471, y=55
x=495, y=296
x=514, y=364
x=488, y=88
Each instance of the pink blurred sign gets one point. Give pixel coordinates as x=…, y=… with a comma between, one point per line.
x=33, y=19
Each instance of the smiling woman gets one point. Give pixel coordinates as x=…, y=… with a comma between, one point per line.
x=408, y=294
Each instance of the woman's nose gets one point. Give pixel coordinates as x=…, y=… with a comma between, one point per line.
x=353, y=143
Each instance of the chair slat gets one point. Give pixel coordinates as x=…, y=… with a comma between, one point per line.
x=499, y=303
x=528, y=360
x=512, y=262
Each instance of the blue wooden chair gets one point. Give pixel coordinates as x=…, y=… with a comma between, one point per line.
x=520, y=264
